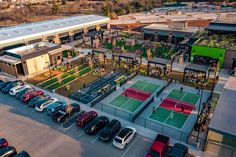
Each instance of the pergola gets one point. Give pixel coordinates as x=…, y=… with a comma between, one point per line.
x=159, y=61
x=131, y=59
x=196, y=73
x=92, y=35
x=102, y=51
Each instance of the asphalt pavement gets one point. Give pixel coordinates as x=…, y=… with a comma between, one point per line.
x=35, y=132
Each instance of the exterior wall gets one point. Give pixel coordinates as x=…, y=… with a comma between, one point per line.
x=228, y=60
x=54, y=58
x=36, y=64
x=9, y=69
x=216, y=53
x=220, y=144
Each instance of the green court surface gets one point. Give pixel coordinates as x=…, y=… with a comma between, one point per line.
x=164, y=116
x=191, y=98
x=178, y=120
x=127, y=104
x=145, y=86
x=160, y=114
x=176, y=94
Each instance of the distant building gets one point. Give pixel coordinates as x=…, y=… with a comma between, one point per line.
x=174, y=32
x=57, y=31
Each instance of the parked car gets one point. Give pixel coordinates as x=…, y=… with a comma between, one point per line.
x=8, y=151
x=22, y=154
x=96, y=125
x=159, y=146
x=124, y=137
x=3, y=143
x=62, y=115
x=54, y=107
x=110, y=130
x=179, y=150
x=28, y=96
x=75, y=106
x=37, y=99
x=21, y=93
x=7, y=88
x=85, y=117
x=13, y=91
x=4, y=84
x=42, y=107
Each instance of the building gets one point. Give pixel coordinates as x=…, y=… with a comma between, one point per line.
x=31, y=59
x=221, y=138
x=174, y=32
x=218, y=45
x=57, y=31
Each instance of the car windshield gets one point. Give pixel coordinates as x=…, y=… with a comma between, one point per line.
x=118, y=140
x=154, y=153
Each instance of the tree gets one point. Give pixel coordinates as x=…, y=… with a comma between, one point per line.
x=55, y=8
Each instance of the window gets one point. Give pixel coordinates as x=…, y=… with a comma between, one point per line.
x=58, y=57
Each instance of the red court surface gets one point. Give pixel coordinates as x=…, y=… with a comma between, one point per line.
x=174, y=105
x=136, y=94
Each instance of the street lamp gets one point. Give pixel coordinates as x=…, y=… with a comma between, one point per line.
x=49, y=70
x=201, y=86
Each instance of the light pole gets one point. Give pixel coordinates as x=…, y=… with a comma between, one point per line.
x=201, y=86
x=50, y=76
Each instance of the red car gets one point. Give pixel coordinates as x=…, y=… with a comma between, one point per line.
x=159, y=146
x=3, y=143
x=85, y=117
x=28, y=96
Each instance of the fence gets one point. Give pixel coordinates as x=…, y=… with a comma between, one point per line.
x=108, y=92
x=172, y=132
x=220, y=149
x=114, y=111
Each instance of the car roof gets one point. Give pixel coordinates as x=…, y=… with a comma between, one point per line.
x=112, y=123
x=124, y=132
x=157, y=146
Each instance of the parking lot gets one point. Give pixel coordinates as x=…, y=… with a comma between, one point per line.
x=26, y=129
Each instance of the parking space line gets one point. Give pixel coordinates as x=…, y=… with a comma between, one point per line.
x=129, y=148
x=93, y=141
x=81, y=134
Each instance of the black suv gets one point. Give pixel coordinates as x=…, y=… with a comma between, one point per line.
x=110, y=130
x=96, y=124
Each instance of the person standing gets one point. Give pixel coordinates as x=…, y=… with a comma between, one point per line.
x=182, y=108
x=84, y=84
x=181, y=90
x=126, y=95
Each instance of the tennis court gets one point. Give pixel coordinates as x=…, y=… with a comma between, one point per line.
x=169, y=117
x=133, y=97
x=145, y=86
x=184, y=96
x=175, y=109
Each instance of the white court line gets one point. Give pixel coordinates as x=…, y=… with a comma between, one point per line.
x=125, y=103
x=93, y=141
x=129, y=148
x=169, y=116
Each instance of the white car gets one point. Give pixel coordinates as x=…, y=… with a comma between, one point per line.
x=13, y=91
x=42, y=106
x=124, y=137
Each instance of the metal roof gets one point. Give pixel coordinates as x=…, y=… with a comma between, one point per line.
x=161, y=61
x=198, y=67
x=224, y=116
x=10, y=59
x=41, y=29
x=223, y=27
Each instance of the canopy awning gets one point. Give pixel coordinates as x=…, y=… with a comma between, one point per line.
x=161, y=61
x=198, y=67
